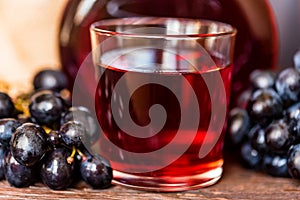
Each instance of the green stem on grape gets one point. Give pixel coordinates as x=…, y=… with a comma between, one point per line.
x=70, y=159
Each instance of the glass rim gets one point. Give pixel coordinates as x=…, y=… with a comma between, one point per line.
x=142, y=22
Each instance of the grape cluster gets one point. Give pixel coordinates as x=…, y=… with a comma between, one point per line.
x=265, y=125
x=42, y=138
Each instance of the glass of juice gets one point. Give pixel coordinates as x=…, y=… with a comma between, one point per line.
x=161, y=96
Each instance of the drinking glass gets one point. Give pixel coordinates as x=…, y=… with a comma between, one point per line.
x=161, y=99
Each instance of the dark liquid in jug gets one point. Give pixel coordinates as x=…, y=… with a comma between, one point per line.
x=256, y=41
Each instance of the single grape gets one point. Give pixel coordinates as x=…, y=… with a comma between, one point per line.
x=238, y=125
x=288, y=85
x=6, y=105
x=293, y=161
x=56, y=172
x=96, y=172
x=50, y=79
x=7, y=128
x=258, y=140
x=264, y=106
x=54, y=139
x=16, y=174
x=261, y=79
x=250, y=157
x=46, y=107
x=29, y=144
x=278, y=136
x=73, y=133
x=78, y=159
x=276, y=165
x=253, y=130
x=82, y=115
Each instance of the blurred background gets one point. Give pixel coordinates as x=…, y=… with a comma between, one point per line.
x=28, y=37
x=29, y=31
x=287, y=13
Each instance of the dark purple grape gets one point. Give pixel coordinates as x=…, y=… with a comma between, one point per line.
x=3, y=153
x=238, y=125
x=278, y=136
x=78, y=158
x=292, y=112
x=261, y=79
x=276, y=165
x=250, y=157
x=46, y=108
x=294, y=129
x=264, y=106
x=292, y=116
x=18, y=175
x=253, y=130
x=293, y=161
x=6, y=106
x=7, y=128
x=96, y=172
x=29, y=144
x=83, y=115
x=54, y=139
x=73, y=133
x=56, y=172
x=288, y=85
x=50, y=79
x=258, y=140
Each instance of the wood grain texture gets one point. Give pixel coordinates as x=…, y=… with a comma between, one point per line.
x=237, y=183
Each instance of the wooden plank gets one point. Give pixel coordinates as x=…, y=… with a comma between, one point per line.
x=237, y=183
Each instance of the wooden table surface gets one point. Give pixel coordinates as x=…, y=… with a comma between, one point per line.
x=237, y=183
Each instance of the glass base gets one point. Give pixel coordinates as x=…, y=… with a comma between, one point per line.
x=168, y=184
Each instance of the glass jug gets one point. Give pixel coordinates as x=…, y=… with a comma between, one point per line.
x=256, y=41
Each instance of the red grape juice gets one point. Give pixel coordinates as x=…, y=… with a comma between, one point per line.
x=166, y=148
x=256, y=42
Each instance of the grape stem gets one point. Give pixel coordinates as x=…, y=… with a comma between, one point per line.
x=70, y=159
